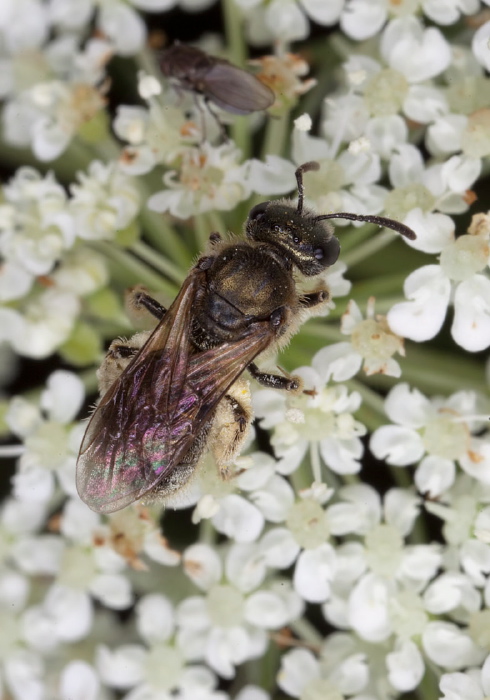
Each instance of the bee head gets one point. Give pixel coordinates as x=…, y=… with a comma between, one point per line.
x=306, y=242
x=302, y=237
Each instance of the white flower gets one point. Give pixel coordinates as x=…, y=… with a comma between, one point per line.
x=24, y=24
x=371, y=341
x=117, y=20
x=462, y=262
x=155, y=135
x=437, y=434
x=209, y=178
x=79, y=681
x=340, y=670
x=105, y=201
x=480, y=45
x=323, y=418
x=418, y=53
x=450, y=647
x=61, y=110
x=471, y=685
x=51, y=441
x=228, y=625
x=345, y=182
x=42, y=324
x=35, y=229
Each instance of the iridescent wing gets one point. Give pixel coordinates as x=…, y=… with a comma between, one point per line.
x=147, y=421
x=235, y=90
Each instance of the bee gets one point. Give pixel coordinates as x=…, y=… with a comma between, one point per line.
x=216, y=79
x=171, y=394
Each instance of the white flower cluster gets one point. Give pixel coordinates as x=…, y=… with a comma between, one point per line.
x=348, y=556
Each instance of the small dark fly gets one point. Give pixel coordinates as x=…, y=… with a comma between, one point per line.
x=217, y=80
x=171, y=395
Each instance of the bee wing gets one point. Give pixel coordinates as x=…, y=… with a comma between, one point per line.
x=149, y=418
x=235, y=90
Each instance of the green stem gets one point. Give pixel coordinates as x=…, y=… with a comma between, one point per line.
x=235, y=38
x=316, y=465
x=164, y=238
x=201, y=228
x=132, y=271
x=276, y=136
x=153, y=258
x=372, y=412
x=369, y=247
x=326, y=331
x=306, y=631
x=435, y=371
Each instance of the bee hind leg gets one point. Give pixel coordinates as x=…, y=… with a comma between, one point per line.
x=118, y=357
x=231, y=426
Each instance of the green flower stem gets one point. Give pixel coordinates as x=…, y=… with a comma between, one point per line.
x=107, y=150
x=207, y=533
x=324, y=330
x=146, y=61
x=352, y=237
x=434, y=371
x=234, y=32
x=371, y=413
x=164, y=238
x=89, y=381
x=306, y=631
x=429, y=686
x=202, y=230
x=276, y=137
x=129, y=271
x=215, y=222
x=369, y=247
x=235, y=37
x=316, y=465
x=163, y=265
x=76, y=157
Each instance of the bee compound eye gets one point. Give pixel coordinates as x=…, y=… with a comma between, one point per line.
x=319, y=253
x=258, y=211
x=331, y=251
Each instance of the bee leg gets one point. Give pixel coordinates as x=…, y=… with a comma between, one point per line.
x=231, y=425
x=118, y=357
x=275, y=381
x=138, y=298
x=215, y=238
x=314, y=298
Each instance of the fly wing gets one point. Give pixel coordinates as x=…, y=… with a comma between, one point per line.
x=147, y=421
x=235, y=90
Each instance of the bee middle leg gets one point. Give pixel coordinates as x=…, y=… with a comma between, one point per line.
x=231, y=425
x=274, y=381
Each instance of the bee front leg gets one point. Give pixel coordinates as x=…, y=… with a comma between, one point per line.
x=137, y=297
x=275, y=381
x=231, y=425
x=314, y=298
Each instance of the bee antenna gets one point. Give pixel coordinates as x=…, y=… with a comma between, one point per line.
x=379, y=220
x=306, y=167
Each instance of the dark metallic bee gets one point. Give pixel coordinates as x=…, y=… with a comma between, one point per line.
x=169, y=394
x=216, y=79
